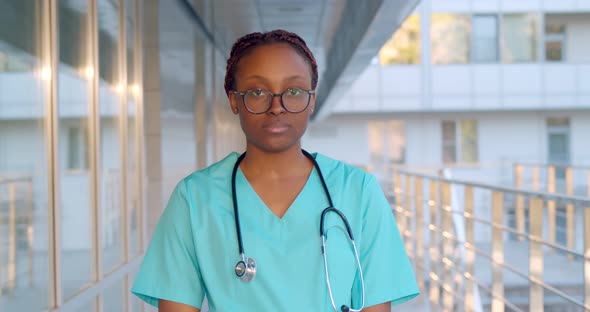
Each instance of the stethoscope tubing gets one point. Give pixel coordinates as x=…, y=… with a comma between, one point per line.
x=235, y=201
x=322, y=232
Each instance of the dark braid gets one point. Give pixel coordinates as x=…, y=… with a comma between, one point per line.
x=247, y=42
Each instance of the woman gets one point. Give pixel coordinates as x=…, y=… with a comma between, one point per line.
x=244, y=231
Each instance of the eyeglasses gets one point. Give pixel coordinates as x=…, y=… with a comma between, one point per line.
x=293, y=100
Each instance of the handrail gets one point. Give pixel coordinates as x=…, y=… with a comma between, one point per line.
x=514, y=270
x=15, y=180
x=556, y=165
x=504, y=228
x=505, y=189
x=411, y=199
x=12, y=220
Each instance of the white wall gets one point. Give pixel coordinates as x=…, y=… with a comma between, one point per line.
x=580, y=138
x=503, y=137
x=424, y=141
x=511, y=137
x=21, y=143
x=470, y=87
x=507, y=5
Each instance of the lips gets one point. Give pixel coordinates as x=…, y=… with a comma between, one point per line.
x=275, y=127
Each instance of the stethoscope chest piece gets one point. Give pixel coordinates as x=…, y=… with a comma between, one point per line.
x=246, y=269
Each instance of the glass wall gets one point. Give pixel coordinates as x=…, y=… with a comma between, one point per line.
x=177, y=64
x=75, y=76
x=65, y=132
x=72, y=142
x=111, y=88
x=450, y=38
x=404, y=46
x=25, y=78
x=133, y=135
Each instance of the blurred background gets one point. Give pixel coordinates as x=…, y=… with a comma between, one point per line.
x=473, y=114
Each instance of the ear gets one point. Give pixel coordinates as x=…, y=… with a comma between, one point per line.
x=233, y=102
x=312, y=105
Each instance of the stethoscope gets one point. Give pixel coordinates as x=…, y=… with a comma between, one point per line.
x=246, y=268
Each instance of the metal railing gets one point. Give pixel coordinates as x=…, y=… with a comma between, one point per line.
x=552, y=178
x=16, y=215
x=438, y=216
x=545, y=177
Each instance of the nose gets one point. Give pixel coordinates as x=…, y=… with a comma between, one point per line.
x=276, y=107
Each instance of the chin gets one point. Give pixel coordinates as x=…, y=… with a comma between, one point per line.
x=275, y=147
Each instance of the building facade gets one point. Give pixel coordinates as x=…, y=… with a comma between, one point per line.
x=476, y=87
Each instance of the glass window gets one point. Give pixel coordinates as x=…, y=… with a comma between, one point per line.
x=111, y=91
x=24, y=208
x=74, y=94
x=469, y=141
x=519, y=38
x=554, y=39
x=404, y=46
x=449, y=134
x=377, y=144
x=77, y=147
x=450, y=38
x=396, y=142
x=3, y=61
x=558, y=130
x=461, y=141
x=485, y=39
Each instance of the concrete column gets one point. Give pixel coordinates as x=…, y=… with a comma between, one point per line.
x=425, y=12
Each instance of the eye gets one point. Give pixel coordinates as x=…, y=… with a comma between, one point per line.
x=294, y=92
x=257, y=92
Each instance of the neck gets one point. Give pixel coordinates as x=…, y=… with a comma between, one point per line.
x=275, y=165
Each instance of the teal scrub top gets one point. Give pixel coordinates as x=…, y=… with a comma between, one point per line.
x=194, y=247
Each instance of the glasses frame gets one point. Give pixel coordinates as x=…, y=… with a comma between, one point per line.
x=273, y=95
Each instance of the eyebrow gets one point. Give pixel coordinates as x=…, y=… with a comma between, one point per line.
x=294, y=77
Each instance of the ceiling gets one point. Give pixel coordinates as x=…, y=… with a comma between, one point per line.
x=369, y=23
x=314, y=20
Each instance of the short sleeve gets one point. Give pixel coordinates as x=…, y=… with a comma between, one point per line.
x=387, y=272
x=170, y=270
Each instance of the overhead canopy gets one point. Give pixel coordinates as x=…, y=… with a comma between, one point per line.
x=343, y=35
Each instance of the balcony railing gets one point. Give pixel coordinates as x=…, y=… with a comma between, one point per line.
x=16, y=215
x=479, y=247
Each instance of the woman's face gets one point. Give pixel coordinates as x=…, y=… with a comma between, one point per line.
x=274, y=67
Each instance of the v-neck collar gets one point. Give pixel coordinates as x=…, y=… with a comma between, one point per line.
x=248, y=192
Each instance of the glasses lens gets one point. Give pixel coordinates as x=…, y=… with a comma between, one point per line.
x=295, y=100
x=257, y=101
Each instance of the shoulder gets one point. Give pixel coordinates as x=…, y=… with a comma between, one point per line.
x=202, y=191
x=218, y=172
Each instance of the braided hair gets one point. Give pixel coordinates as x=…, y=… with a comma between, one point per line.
x=244, y=44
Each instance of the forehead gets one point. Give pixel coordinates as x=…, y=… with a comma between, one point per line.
x=273, y=59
